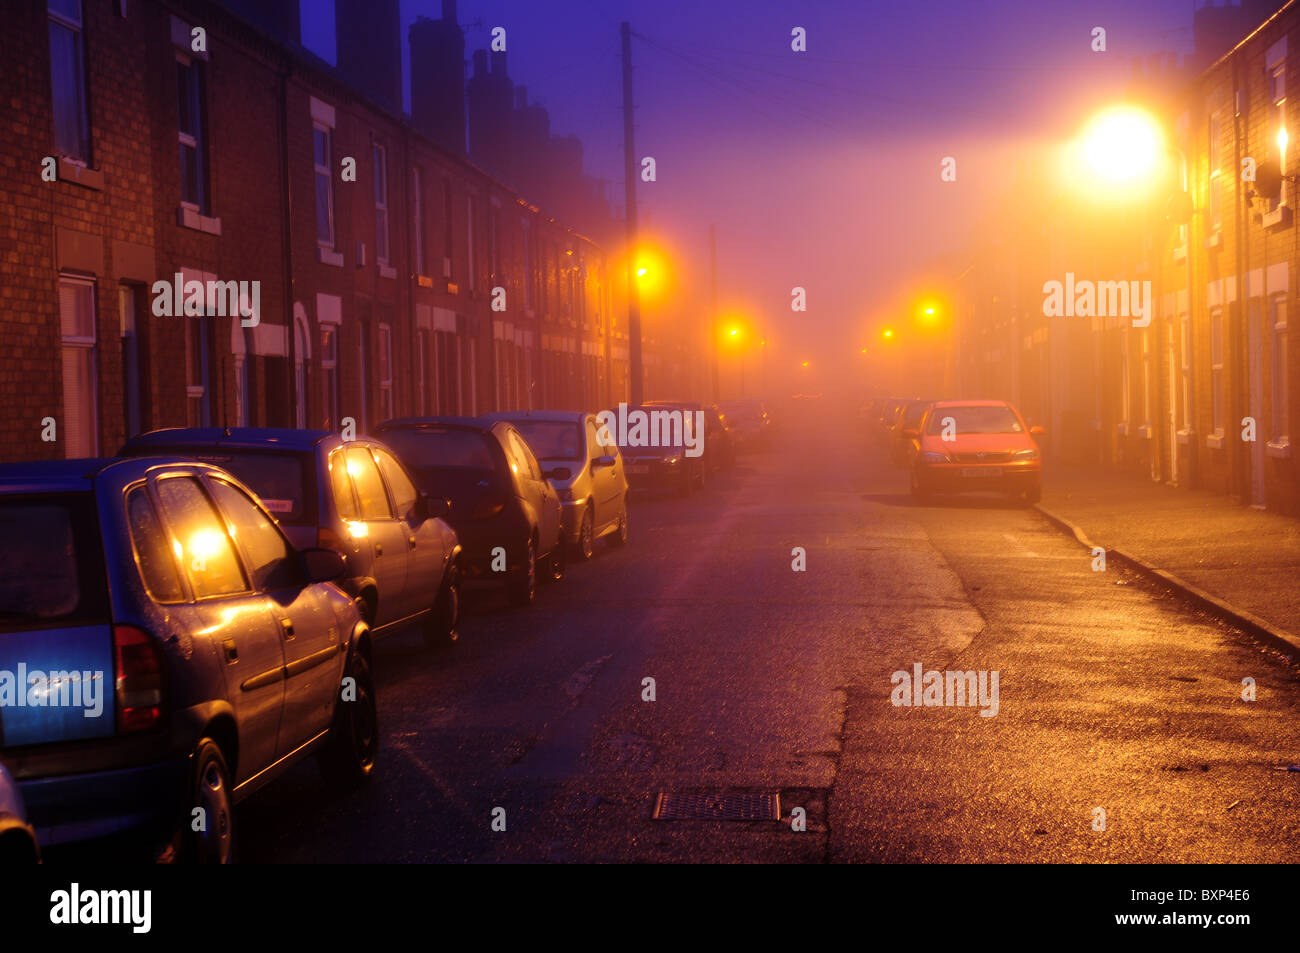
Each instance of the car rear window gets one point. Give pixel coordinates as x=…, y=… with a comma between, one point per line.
x=552, y=439
x=280, y=480
x=441, y=448
x=976, y=420
x=51, y=563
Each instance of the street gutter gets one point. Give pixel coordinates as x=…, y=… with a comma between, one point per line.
x=1288, y=643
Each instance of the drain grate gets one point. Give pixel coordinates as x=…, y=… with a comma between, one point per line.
x=717, y=807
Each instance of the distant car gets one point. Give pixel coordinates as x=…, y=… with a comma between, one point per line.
x=18, y=846
x=749, y=420
x=719, y=440
x=195, y=653
x=976, y=445
x=594, y=496
x=353, y=496
x=664, y=464
x=504, y=510
x=901, y=445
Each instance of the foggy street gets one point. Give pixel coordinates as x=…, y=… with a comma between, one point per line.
x=768, y=680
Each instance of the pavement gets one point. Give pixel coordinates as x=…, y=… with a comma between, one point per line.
x=1239, y=563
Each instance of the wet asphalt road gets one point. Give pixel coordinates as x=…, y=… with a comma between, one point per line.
x=1111, y=695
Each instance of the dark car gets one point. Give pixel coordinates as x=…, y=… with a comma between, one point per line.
x=719, y=439
x=907, y=422
x=185, y=654
x=505, y=512
x=353, y=496
x=666, y=452
x=749, y=421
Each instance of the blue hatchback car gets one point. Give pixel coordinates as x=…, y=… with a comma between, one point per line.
x=165, y=651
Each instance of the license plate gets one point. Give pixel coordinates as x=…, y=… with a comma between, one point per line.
x=638, y=468
x=981, y=472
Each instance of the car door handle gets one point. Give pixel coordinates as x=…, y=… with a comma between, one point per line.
x=379, y=549
x=411, y=541
x=287, y=626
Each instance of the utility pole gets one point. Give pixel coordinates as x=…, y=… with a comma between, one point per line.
x=629, y=187
x=713, y=307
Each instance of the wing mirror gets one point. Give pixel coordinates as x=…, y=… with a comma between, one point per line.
x=430, y=507
x=322, y=565
x=1036, y=431
x=605, y=461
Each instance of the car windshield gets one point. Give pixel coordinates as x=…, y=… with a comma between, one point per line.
x=975, y=420
x=51, y=564
x=441, y=448
x=277, y=478
x=552, y=439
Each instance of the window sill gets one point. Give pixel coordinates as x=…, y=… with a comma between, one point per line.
x=1122, y=428
x=1185, y=437
x=78, y=174
x=1180, y=253
x=387, y=271
x=1215, y=240
x=327, y=256
x=453, y=288
x=424, y=281
x=1214, y=441
x=1144, y=431
x=1280, y=217
x=1278, y=449
x=191, y=218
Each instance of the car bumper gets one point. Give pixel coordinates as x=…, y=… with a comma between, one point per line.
x=988, y=477
x=78, y=807
x=657, y=475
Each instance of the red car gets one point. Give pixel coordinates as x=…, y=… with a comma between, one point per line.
x=964, y=445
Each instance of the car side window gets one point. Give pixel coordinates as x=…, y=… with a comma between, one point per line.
x=371, y=495
x=268, y=555
x=200, y=539
x=341, y=484
x=399, y=485
x=152, y=553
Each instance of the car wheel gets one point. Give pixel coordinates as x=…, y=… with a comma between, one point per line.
x=349, y=755
x=443, y=623
x=210, y=792
x=555, y=562
x=586, y=547
x=619, y=536
x=920, y=495
x=523, y=581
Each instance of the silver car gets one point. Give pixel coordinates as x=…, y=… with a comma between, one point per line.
x=587, y=475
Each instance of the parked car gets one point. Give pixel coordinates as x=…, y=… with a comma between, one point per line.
x=505, y=512
x=18, y=845
x=719, y=440
x=197, y=654
x=976, y=445
x=908, y=421
x=749, y=420
x=663, y=464
x=353, y=496
x=593, y=498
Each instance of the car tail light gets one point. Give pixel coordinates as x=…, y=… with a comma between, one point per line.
x=138, y=666
x=487, y=508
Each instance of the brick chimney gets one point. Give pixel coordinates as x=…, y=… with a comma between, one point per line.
x=369, y=37
x=438, y=78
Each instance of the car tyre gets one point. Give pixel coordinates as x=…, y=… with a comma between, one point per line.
x=523, y=580
x=443, y=623
x=350, y=752
x=210, y=789
x=586, y=545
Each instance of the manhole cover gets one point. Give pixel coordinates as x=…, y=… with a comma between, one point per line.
x=717, y=807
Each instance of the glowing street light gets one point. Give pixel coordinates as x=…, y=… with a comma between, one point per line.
x=1122, y=148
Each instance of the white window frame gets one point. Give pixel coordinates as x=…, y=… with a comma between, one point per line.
x=383, y=246
x=326, y=172
x=76, y=27
x=1279, y=340
x=385, y=375
x=80, y=342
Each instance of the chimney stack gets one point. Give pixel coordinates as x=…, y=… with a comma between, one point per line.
x=369, y=37
x=438, y=78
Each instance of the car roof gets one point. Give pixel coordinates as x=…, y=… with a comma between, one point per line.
x=481, y=424
x=971, y=403
x=252, y=438
x=79, y=475
x=563, y=416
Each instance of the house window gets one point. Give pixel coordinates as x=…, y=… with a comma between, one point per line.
x=1277, y=96
x=191, y=128
x=469, y=241
x=1281, y=428
x=385, y=372
x=417, y=217
x=1215, y=153
x=301, y=368
x=329, y=373
x=380, y=156
x=131, y=378
x=1185, y=372
x=363, y=373
x=529, y=271
x=1216, y=370
x=77, y=315
x=448, y=235
x=422, y=372
x=322, y=159
x=243, y=385
x=68, y=81
x=198, y=383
